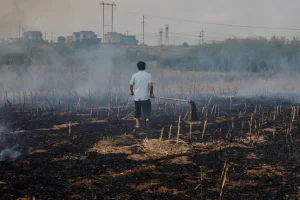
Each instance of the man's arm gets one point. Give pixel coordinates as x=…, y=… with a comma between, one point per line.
x=131, y=85
x=131, y=90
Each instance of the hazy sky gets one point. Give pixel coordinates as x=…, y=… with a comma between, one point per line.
x=185, y=18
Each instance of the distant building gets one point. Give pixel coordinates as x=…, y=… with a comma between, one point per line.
x=83, y=35
x=33, y=35
x=87, y=35
x=69, y=39
x=76, y=36
x=113, y=38
x=119, y=38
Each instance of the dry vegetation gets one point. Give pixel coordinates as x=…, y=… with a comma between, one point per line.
x=86, y=147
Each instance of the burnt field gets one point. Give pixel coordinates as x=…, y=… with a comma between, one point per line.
x=83, y=148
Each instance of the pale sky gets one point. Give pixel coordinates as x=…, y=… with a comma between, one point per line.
x=185, y=18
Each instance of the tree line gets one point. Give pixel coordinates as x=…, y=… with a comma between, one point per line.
x=251, y=54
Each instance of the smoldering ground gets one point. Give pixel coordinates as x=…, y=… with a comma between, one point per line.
x=8, y=145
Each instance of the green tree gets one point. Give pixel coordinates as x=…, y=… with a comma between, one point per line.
x=61, y=39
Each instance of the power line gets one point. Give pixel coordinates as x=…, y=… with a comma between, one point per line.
x=176, y=33
x=197, y=36
x=154, y=35
x=217, y=24
x=218, y=33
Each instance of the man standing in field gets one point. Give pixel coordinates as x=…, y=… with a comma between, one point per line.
x=141, y=87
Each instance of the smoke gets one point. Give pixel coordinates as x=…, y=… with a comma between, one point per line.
x=8, y=151
x=85, y=70
x=18, y=15
x=251, y=67
x=9, y=154
x=14, y=13
x=105, y=71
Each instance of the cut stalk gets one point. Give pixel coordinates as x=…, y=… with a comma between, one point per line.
x=286, y=136
x=20, y=101
x=170, y=132
x=215, y=110
x=109, y=108
x=203, y=111
x=280, y=109
x=161, y=134
x=212, y=110
x=191, y=125
x=250, y=131
x=118, y=113
x=204, y=128
x=224, y=167
x=69, y=128
x=223, y=183
x=178, y=130
x=98, y=110
x=256, y=127
x=91, y=112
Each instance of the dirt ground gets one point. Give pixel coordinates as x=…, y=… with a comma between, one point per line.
x=85, y=154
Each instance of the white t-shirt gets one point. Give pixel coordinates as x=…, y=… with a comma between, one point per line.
x=140, y=82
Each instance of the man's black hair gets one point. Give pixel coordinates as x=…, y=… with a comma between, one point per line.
x=141, y=65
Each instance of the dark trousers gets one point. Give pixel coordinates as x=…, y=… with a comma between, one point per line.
x=146, y=106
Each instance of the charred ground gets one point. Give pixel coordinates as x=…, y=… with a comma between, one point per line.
x=75, y=149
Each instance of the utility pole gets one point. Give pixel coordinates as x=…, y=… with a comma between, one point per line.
x=167, y=35
x=19, y=29
x=112, y=16
x=102, y=4
x=45, y=36
x=160, y=36
x=201, y=37
x=144, y=29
